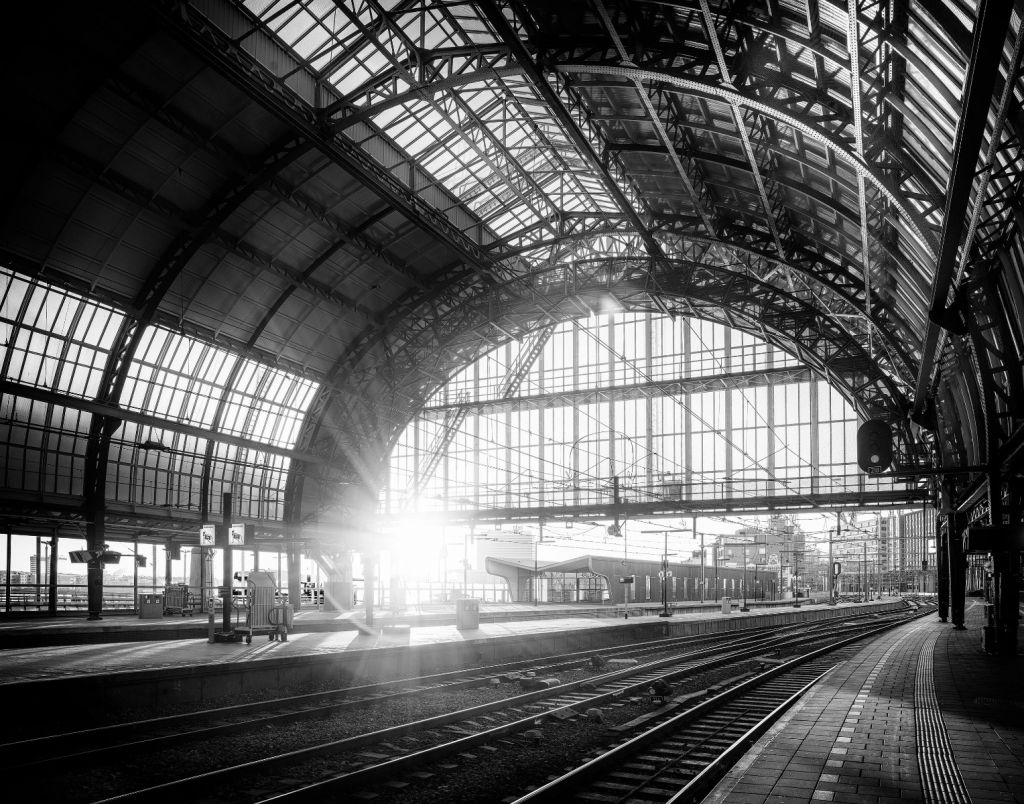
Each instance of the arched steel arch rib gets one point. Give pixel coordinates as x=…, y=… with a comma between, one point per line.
x=160, y=281
x=870, y=174
x=833, y=272
x=212, y=42
x=775, y=112
x=772, y=312
x=733, y=298
x=829, y=274
x=459, y=284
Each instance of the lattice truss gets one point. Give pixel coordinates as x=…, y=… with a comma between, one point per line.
x=649, y=130
x=779, y=167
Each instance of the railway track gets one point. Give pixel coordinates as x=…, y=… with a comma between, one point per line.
x=681, y=758
x=94, y=745
x=339, y=768
x=369, y=756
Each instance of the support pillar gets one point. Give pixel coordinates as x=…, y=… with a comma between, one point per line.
x=1006, y=577
x=1005, y=569
x=94, y=569
x=340, y=589
x=370, y=563
x=51, y=575
x=226, y=566
x=942, y=571
x=295, y=578
x=957, y=570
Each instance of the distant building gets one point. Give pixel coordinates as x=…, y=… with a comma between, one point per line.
x=906, y=552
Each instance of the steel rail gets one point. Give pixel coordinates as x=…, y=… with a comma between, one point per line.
x=559, y=789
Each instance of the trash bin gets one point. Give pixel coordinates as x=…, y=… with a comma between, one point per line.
x=467, y=614
x=151, y=606
x=726, y=605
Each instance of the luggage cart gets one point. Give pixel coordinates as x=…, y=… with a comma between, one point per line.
x=259, y=606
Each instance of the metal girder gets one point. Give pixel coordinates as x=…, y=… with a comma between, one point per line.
x=458, y=293
x=689, y=176
x=182, y=124
x=645, y=390
x=723, y=503
x=110, y=179
x=123, y=414
x=212, y=41
x=536, y=75
x=770, y=109
x=986, y=51
x=746, y=294
x=745, y=121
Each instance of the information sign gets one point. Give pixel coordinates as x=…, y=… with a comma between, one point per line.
x=208, y=536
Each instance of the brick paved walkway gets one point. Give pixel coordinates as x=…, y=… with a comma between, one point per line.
x=866, y=735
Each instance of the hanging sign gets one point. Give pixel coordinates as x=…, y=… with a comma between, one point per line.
x=208, y=536
x=239, y=534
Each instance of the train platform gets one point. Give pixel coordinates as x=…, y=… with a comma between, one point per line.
x=39, y=631
x=70, y=647
x=921, y=714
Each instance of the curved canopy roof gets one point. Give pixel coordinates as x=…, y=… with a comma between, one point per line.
x=368, y=195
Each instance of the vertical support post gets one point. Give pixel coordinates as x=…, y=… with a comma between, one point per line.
x=1006, y=565
x=832, y=563
x=715, y=557
x=664, y=579
x=94, y=569
x=204, y=582
x=369, y=585
x=744, y=606
x=226, y=565
x=864, y=575
x=7, y=575
x=957, y=571
x=52, y=573
x=796, y=578
x=533, y=580
x=703, y=578
x=942, y=571
x=167, y=564
x=295, y=577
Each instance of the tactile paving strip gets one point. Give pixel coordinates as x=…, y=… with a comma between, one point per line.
x=940, y=778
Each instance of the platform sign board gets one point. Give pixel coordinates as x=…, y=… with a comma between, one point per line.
x=627, y=579
x=239, y=534
x=208, y=536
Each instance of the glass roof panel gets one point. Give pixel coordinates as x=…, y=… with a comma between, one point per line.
x=185, y=380
x=53, y=338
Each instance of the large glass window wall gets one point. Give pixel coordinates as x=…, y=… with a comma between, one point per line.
x=57, y=343
x=739, y=426
x=38, y=575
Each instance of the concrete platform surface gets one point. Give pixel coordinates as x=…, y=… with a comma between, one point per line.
x=921, y=714
x=315, y=633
